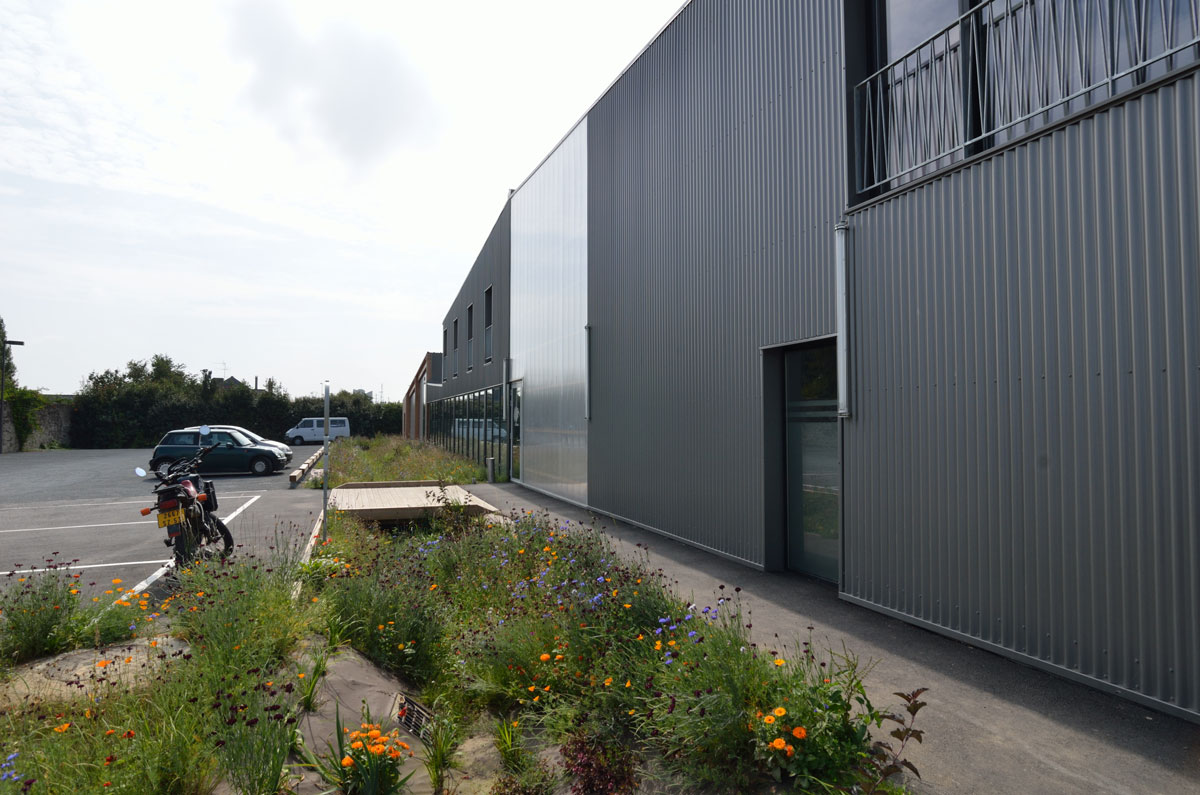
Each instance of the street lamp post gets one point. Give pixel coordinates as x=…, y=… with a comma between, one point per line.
x=6, y=342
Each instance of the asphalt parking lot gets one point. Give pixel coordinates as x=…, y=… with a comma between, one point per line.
x=82, y=507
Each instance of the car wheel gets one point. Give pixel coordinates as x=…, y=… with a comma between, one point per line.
x=158, y=464
x=261, y=466
x=297, y=440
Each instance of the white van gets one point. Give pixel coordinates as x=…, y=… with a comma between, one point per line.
x=312, y=429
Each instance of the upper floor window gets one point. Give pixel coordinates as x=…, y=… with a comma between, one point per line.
x=455, y=370
x=470, y=336
x=487, y=325
x=936, y=81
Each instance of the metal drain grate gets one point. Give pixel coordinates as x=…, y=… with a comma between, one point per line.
x=411, y=716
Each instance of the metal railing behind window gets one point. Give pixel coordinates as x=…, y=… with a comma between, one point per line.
x=1008, y=67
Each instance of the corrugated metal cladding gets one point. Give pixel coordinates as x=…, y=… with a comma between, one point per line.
x=1023, y=463
x=717, y=174
x=549, y=311
x=491, y=269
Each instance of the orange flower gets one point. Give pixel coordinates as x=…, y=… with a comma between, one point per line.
x=780, y=712
x=779, y=661
x=799, y=732
x=544, y=657
x=769, y=719
x=790, y=749
x=103, y=663
x=433, y=586
x=778, y=744
x=128, y=659
x=117, y=581
x=347, y=761
x=62, y=728
x=373, y=734
x=532, y=688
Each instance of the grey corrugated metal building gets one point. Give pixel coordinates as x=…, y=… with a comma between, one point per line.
x=908, y=307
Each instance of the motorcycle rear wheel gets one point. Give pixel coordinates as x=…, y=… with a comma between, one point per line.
x=222, y=531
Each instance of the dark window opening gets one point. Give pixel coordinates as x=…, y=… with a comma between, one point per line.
x=487, y=325
x=470, y=337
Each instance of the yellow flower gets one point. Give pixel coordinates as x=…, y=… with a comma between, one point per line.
x=780, y=712
x=779, y=661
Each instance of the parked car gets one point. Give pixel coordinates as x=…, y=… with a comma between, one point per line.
x=252, y=436
x=235, y=452
x=312, y=429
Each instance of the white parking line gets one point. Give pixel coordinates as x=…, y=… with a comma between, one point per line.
x=75, y=526
x=71, y=505
x=149, y=499
x=79, y=568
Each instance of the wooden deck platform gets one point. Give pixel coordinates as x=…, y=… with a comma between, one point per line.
x=402, y=500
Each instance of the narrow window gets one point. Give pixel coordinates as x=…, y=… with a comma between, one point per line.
x=456, y=347
x=470, y=336
x=487, y=325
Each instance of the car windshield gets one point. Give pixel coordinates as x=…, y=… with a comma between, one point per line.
x=240, y=438
x=251, y=435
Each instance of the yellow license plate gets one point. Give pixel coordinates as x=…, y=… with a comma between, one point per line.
x=170, y=517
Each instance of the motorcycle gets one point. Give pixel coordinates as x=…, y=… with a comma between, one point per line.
x=187, y=505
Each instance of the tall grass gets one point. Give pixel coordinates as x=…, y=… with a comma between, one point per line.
x=380, y=458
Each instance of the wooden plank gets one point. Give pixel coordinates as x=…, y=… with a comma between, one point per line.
x=383, y=502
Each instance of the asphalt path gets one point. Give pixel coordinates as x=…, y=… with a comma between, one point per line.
x=82, y=507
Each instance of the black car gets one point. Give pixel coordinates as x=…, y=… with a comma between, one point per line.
x=235, y=452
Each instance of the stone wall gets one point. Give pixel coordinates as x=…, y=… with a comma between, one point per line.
x=55, y=422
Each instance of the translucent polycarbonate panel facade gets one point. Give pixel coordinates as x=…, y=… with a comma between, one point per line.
x=549, y=315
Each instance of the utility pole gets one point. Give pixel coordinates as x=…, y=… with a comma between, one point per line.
x=6, y=342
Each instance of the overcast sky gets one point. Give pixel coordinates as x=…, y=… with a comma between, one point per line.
x=273, y=187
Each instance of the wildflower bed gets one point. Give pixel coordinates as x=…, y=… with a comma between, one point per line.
x=163, y=717
x=546, y=629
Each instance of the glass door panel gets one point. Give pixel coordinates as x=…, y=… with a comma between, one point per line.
x=813, y=460
x=514, y=403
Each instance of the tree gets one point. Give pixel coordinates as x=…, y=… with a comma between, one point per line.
x=10, y=369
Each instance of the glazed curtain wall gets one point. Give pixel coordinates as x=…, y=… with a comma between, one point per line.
x=549, y=313
x=1023, y=459
x=474, y=426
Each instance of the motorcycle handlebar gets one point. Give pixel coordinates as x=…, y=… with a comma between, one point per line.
x=183, y=465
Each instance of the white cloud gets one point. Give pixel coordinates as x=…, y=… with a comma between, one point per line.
x=338, y=165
